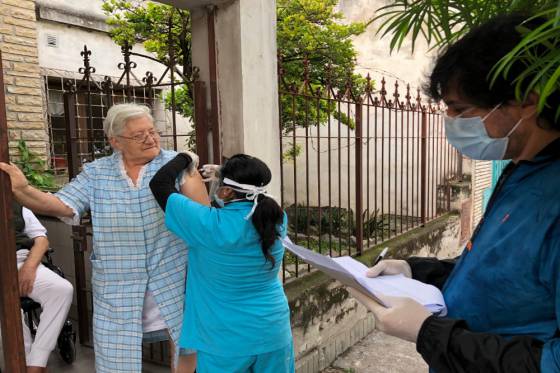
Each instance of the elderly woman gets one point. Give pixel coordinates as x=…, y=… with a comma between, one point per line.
x=138, y=266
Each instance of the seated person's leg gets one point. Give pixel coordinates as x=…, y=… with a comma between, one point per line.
x=55, y=296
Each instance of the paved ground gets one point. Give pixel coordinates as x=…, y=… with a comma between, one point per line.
x=85, y=363
x=380, y=353
x=375, y=353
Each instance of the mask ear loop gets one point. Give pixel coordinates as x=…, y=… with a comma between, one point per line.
x=491, y=111
x=518, y=123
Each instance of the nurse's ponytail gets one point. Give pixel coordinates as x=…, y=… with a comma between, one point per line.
x=268, y=216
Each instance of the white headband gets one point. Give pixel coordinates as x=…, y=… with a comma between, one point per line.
x=252, y=193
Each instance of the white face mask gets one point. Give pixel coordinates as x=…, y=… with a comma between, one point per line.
x=469, y=137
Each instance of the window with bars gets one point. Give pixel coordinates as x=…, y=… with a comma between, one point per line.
x=91, y=108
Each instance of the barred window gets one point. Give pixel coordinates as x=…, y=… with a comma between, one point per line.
x=91, y=107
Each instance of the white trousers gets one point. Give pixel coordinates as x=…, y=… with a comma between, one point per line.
x=54, y=294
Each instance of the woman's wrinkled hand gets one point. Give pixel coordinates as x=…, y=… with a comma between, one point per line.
x=19, y=182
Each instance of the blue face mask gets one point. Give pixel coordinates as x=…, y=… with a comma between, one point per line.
x=470, y=138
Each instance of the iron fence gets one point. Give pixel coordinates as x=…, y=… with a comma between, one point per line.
x=359, y=168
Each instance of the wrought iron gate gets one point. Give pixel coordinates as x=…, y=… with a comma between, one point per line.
x=86, y=102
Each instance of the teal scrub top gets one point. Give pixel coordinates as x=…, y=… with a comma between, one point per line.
x=236, y=304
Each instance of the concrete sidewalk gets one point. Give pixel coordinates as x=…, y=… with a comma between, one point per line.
x=85, y=363
x=379, y=352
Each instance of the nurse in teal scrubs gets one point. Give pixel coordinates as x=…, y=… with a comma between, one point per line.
x=236, y=315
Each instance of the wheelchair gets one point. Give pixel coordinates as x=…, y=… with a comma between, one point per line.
x=66, y=342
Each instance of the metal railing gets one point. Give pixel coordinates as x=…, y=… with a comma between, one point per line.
x=359, y=168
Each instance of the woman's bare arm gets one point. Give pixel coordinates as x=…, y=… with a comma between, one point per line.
x=31, y=197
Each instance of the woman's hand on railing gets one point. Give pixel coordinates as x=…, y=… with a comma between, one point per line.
x=19, y=182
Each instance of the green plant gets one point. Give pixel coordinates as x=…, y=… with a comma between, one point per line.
x=442, y=22
x=321, y=220
x=309, y=30
x=34, y=168
x=323, y=246
x=374, y=225
x=292, y=152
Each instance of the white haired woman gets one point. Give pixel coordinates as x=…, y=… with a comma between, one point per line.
x=138, y=266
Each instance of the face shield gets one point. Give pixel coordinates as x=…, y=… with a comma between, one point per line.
x=213, y=193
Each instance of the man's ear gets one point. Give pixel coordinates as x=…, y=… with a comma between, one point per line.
x=531, y=101
x=530, y=105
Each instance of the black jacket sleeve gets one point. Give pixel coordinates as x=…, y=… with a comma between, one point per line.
x=163, y=182
x=448, y=345
x=431, y=271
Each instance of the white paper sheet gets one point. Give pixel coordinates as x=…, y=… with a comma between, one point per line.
x=351, y=272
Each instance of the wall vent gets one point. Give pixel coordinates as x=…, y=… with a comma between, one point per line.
x=52, y=41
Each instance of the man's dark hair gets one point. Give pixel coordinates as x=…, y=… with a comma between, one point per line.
x=466, y=66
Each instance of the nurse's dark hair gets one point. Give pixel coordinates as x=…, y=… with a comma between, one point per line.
x=268, y=215
x=465, y=67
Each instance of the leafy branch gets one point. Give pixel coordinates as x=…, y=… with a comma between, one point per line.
x=442, y=22
x=34, y=168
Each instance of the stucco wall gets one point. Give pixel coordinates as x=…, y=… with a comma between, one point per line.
x=374, y=53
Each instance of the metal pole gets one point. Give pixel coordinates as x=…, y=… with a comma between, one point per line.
x=79, y=244
x=214, y=110
x=10, y=314
x=78, y=232
x=423, y=160
x=201, y=121
x=359, y=181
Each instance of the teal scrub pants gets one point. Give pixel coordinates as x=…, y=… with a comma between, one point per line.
x=278, y=361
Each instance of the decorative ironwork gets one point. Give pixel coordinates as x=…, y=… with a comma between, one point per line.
x=87, y=70
x=360, y=165
x=87, y=100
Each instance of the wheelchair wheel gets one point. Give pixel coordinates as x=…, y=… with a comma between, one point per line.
x=67, y=343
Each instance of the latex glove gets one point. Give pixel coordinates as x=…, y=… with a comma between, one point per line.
x=403, y=319
x=19, y=182
x=390, y=267
x=210, y=172
x=26, y=279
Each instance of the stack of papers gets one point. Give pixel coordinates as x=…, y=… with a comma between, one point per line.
x=351, y=272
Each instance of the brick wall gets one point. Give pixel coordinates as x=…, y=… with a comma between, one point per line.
x=22, y=78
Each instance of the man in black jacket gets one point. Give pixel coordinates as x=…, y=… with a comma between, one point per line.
x=503, y=292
